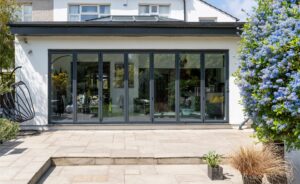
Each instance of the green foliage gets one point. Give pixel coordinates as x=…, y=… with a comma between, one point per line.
x=7, y=14
x=5, y=83
x=269, y=71
x=213, y=159
x=7, y=9
x=8, y=130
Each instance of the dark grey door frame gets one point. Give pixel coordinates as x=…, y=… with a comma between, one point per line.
x=126, y=87
x=74, y=82
x=100, y=90
x=202, y=86
x=151, y=86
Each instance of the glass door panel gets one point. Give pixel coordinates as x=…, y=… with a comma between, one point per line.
x=87, y=87
x=139, y=87
x=61, y=87
x=215, y=78
x=113, y=88
x=190, y=91
x=164, y=87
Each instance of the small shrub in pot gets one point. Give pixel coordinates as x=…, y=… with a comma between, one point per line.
x=213, y=160
x=254, y=163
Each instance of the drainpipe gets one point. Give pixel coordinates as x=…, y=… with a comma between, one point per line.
x=184, y=10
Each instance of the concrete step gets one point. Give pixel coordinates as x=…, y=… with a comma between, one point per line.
x=97, y=161
x=129, y=127
x=75, y=161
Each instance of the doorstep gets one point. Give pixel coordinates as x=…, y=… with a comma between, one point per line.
x=204, y=126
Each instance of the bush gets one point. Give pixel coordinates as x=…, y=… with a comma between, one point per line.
x=213, y=159
x=269, y=71
x=8, y=130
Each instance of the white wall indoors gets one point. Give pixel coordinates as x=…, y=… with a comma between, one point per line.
x=33, y=56
x=195, y=8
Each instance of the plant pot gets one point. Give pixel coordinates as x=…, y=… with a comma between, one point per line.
x=277, y=180
x=279, y=147
x=252, y=179
x=280, y=151
x=215, y=173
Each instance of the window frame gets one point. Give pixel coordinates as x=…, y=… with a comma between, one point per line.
x=151, y=52
x=151, y=7
x=22, y=14
x=164, y=14
x=151, y=13
x=98, y=13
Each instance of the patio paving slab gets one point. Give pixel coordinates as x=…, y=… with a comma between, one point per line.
x=136, y=174
x=21, y=158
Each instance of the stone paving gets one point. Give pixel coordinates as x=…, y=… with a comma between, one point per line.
x=21, y=159
x=137, y=174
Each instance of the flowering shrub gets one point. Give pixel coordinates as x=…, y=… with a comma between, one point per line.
x=269, y=71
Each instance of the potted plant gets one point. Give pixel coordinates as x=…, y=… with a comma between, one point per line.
x=254, y=163
x=213, y=160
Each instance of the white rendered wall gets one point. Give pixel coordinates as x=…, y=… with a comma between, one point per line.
x=33, y=56
x=195, y=8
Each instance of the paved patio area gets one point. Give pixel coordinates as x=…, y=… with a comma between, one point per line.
x=20, y=159
x=137, y=174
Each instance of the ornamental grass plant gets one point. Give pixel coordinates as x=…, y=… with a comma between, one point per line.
x=254, y=163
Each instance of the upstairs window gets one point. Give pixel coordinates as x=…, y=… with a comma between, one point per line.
x=164, y=10
x=207, y=19
x=87, y=12
x=161, y=10
x=24, y=14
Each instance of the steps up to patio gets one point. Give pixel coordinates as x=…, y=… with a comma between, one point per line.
x=178, y=164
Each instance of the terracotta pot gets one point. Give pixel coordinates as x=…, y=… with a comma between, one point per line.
x=252, y=179
x=215, y=173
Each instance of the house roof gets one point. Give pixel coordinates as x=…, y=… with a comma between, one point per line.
x=125, y=28
x=134, y=18
x=220, y=10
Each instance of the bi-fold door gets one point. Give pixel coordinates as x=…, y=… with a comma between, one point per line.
x=138, y=87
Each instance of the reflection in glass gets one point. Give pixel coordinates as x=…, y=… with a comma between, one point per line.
x=164, y=87
x=215, y=86
x=113, y=88
x=61, y=90
x=87, y=87
x=139, y=81
x=190, y=87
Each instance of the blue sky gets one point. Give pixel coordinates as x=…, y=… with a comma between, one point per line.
x=234, y=7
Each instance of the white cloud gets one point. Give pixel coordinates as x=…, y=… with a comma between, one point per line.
x=235, y=7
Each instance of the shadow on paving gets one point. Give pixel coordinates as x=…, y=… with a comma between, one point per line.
x=9, y=148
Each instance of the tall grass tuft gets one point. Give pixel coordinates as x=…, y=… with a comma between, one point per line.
x=254, y=163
